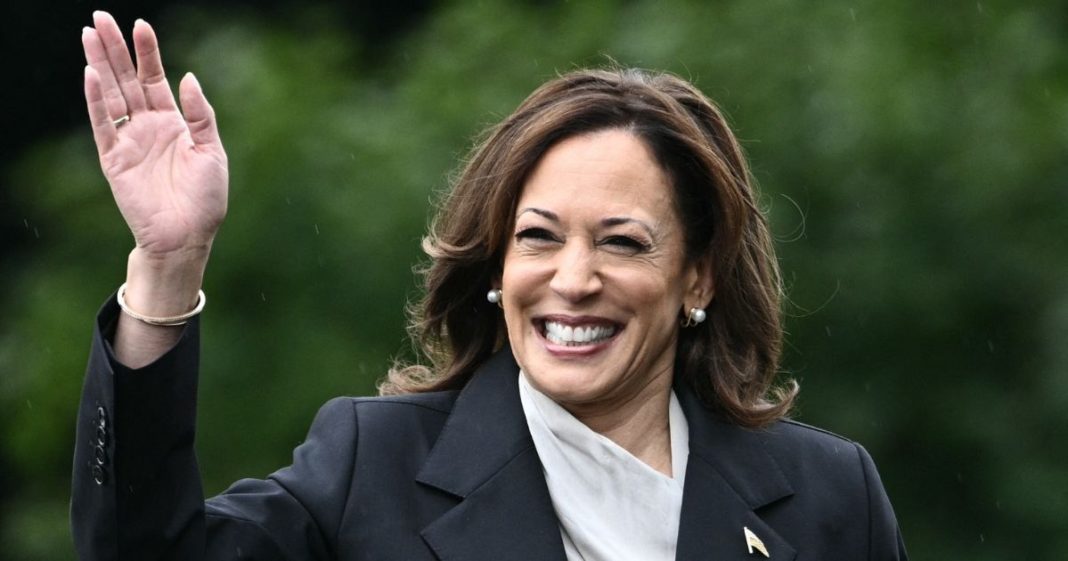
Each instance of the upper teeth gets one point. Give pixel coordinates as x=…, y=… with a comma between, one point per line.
x=560, y=333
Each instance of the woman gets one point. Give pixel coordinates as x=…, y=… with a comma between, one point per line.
x=602, y=316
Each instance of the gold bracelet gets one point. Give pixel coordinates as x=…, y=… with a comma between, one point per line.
x=166, y=321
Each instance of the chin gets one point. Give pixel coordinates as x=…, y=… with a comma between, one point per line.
x=566, y=385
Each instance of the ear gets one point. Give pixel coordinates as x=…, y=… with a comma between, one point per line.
x=701, y=284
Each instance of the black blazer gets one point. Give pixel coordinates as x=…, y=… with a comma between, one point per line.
x=449, y=476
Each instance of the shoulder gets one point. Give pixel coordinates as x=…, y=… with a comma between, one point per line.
x=836, y=476
x=791, y=436
x=805, y=450
x=406, y=404
x=823, y=463
x=389, y=421
x=431, y=403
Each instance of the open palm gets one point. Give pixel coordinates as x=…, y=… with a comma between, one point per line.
x=167, y=170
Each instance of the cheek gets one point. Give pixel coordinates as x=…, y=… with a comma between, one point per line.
x=516, y=291
x=658, y=308
x=520, y=291
x=646, y=289
x=522, y=278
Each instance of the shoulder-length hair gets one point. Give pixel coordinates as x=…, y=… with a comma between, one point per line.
x=731, y=359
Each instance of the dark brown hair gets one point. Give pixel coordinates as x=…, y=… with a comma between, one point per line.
x=731, y=359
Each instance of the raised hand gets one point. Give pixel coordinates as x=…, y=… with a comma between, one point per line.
x=167, y=170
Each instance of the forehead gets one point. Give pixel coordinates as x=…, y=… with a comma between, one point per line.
x=610, y=172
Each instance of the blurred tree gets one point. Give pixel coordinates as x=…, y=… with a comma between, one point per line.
x=911, y=156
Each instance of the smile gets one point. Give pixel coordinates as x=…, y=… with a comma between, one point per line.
x=573, y=334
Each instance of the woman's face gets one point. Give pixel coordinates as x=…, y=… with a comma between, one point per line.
x=595, y=275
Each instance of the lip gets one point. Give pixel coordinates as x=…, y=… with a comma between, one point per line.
x=569, y=351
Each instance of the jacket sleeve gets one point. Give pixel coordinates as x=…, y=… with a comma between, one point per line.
x=884, y=536
x=136, y=489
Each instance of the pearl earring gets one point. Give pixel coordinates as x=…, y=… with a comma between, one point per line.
x=494, y=296
x=696, y=316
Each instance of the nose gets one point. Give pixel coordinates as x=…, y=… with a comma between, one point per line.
x=576, y=276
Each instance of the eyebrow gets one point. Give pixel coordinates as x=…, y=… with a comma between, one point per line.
x=607, y=222
x=540, y=212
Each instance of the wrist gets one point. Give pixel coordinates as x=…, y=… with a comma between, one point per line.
x=163, y=286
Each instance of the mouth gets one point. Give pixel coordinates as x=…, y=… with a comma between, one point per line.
x=577, y=332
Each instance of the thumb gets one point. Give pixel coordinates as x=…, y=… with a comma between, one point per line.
x=199, y=116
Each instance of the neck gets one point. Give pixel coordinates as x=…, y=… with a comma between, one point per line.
x=640, y=425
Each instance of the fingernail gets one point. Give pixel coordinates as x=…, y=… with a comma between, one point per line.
x=140, y=21
x=86, y=29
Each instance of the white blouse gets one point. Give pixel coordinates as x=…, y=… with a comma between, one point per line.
x=611, y=505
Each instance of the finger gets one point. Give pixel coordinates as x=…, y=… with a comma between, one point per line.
x=150, y=68
x=103, y=128
x=199, y=116
x=121, y=63
x=98, y=60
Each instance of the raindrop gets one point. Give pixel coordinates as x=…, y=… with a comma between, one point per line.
x=263, y=297
x=316, y=229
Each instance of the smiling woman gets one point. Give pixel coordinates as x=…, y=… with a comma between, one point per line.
x=602, y=312
x=673, y=177
x=599, y=246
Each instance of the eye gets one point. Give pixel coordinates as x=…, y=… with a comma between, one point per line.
x=535, y=234
x=626, y=243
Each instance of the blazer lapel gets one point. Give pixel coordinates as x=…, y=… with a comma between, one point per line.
x=729, y=475
x=486, y=459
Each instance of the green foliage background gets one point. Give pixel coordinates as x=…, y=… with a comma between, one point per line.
x=911, y=155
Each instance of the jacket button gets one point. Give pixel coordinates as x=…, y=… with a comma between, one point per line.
x=100, y=456
x=100, y=475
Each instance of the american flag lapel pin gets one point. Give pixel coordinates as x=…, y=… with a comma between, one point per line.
x=752, y=542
